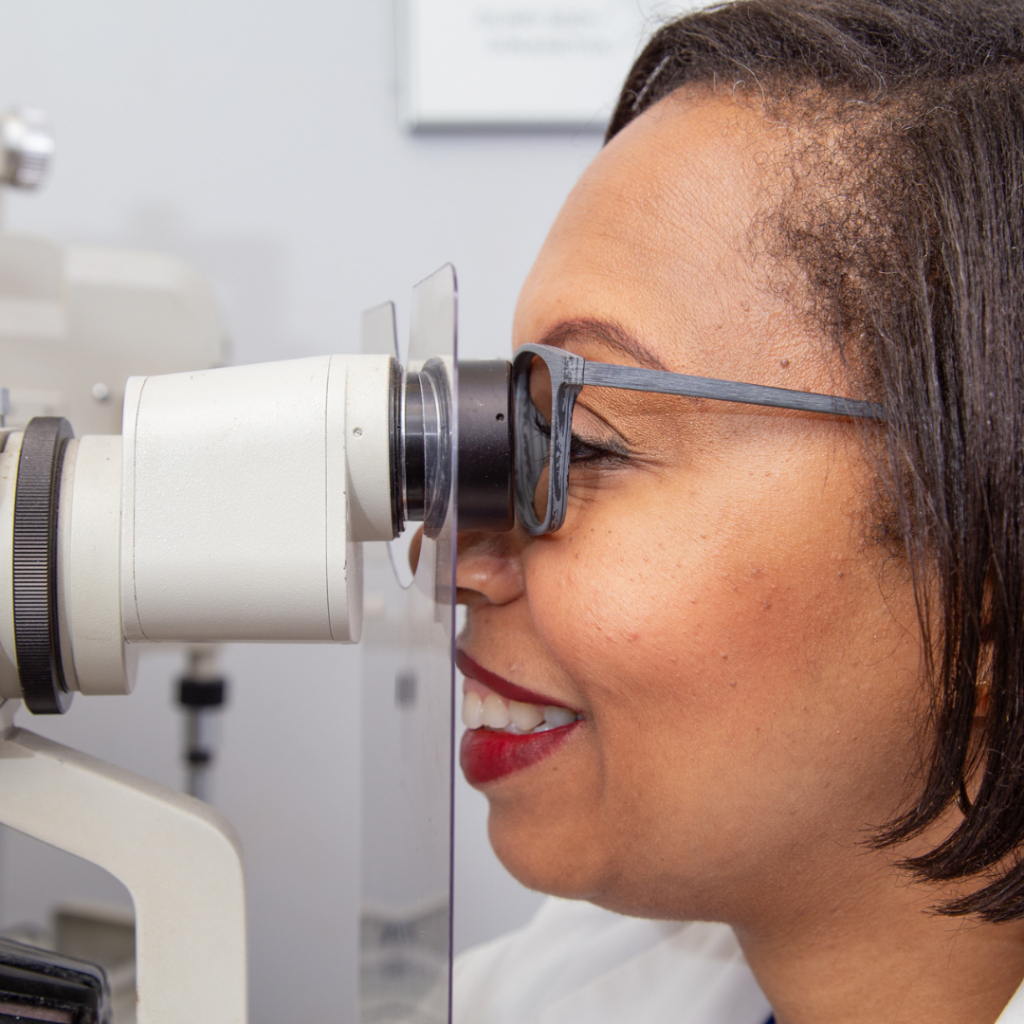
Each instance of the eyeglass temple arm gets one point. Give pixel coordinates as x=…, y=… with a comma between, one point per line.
x=633, y=378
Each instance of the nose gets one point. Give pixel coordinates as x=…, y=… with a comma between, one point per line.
x=489, y=569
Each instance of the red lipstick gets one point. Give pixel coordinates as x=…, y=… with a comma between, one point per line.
x=486, y=755
x=489, y=754
x=502, y=687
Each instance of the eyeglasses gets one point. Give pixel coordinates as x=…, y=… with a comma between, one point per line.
x=546, y=382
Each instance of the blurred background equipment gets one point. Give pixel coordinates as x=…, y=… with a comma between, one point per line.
x=75, y=323
x=202, y=694
x=26, y=147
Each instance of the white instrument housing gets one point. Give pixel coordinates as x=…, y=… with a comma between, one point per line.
x=231, y=509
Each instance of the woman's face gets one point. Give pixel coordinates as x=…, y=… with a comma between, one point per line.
x=746, y=673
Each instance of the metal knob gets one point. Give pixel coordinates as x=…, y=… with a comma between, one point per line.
x=26, y=147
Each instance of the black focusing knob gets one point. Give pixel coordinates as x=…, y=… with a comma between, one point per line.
x=485, y=446
x=36, y=626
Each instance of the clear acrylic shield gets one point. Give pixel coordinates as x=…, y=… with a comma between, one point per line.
x=407, y=704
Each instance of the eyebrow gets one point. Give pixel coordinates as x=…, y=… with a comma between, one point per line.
x=606, y=332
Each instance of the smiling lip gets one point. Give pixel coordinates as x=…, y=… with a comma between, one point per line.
x=468, y=667
x=488, y=754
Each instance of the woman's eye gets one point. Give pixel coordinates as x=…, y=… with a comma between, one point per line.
x=592, y=452
x=582, y=450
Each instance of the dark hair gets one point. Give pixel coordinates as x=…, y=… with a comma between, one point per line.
x=908, y=222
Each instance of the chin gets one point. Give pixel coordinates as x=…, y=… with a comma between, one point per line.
x=547, y=857
x=547, y=867
x=564, y=858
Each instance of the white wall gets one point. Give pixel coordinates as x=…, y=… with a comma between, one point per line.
x=258, y=139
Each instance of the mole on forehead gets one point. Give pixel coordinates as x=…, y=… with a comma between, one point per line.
x=603, y=332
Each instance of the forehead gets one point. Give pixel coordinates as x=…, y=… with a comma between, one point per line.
x=660, y=237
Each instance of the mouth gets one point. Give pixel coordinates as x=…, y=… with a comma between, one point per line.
x=507, y=726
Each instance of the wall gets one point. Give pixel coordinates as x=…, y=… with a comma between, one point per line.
x=259, y=140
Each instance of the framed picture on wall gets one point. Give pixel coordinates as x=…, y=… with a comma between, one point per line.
x=544, y=64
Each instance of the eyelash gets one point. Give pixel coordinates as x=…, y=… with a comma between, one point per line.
x=587, y=451
x=579, y=449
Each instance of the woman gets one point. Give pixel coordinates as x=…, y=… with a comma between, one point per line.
x=783, y=651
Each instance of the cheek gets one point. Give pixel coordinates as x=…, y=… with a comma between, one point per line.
x=640, y=611
x=748, y=655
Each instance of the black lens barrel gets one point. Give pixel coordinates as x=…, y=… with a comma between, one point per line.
x=485, y=446
x=485, y=493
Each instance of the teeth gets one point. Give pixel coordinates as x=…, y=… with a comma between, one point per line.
x=555, y=716
x=472, y=710
x=526, y=716
x=496, y=714
x=515, y=716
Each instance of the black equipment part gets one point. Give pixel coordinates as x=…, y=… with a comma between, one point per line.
x=414, y=467
x=202, y=693
x=395, y=445
x=486, y=496
x=40, y=985
x=36, y=625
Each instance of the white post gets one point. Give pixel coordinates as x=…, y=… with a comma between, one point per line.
x=179, y=859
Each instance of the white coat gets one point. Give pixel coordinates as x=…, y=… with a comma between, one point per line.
x=577, y=964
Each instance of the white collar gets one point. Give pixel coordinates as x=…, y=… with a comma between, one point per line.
x=577, y=964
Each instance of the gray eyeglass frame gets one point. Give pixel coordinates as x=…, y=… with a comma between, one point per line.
x=570, y=373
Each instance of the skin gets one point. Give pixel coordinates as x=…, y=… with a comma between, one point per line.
x=748, y=668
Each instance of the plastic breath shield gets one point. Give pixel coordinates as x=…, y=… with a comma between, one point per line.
x=407, y=701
